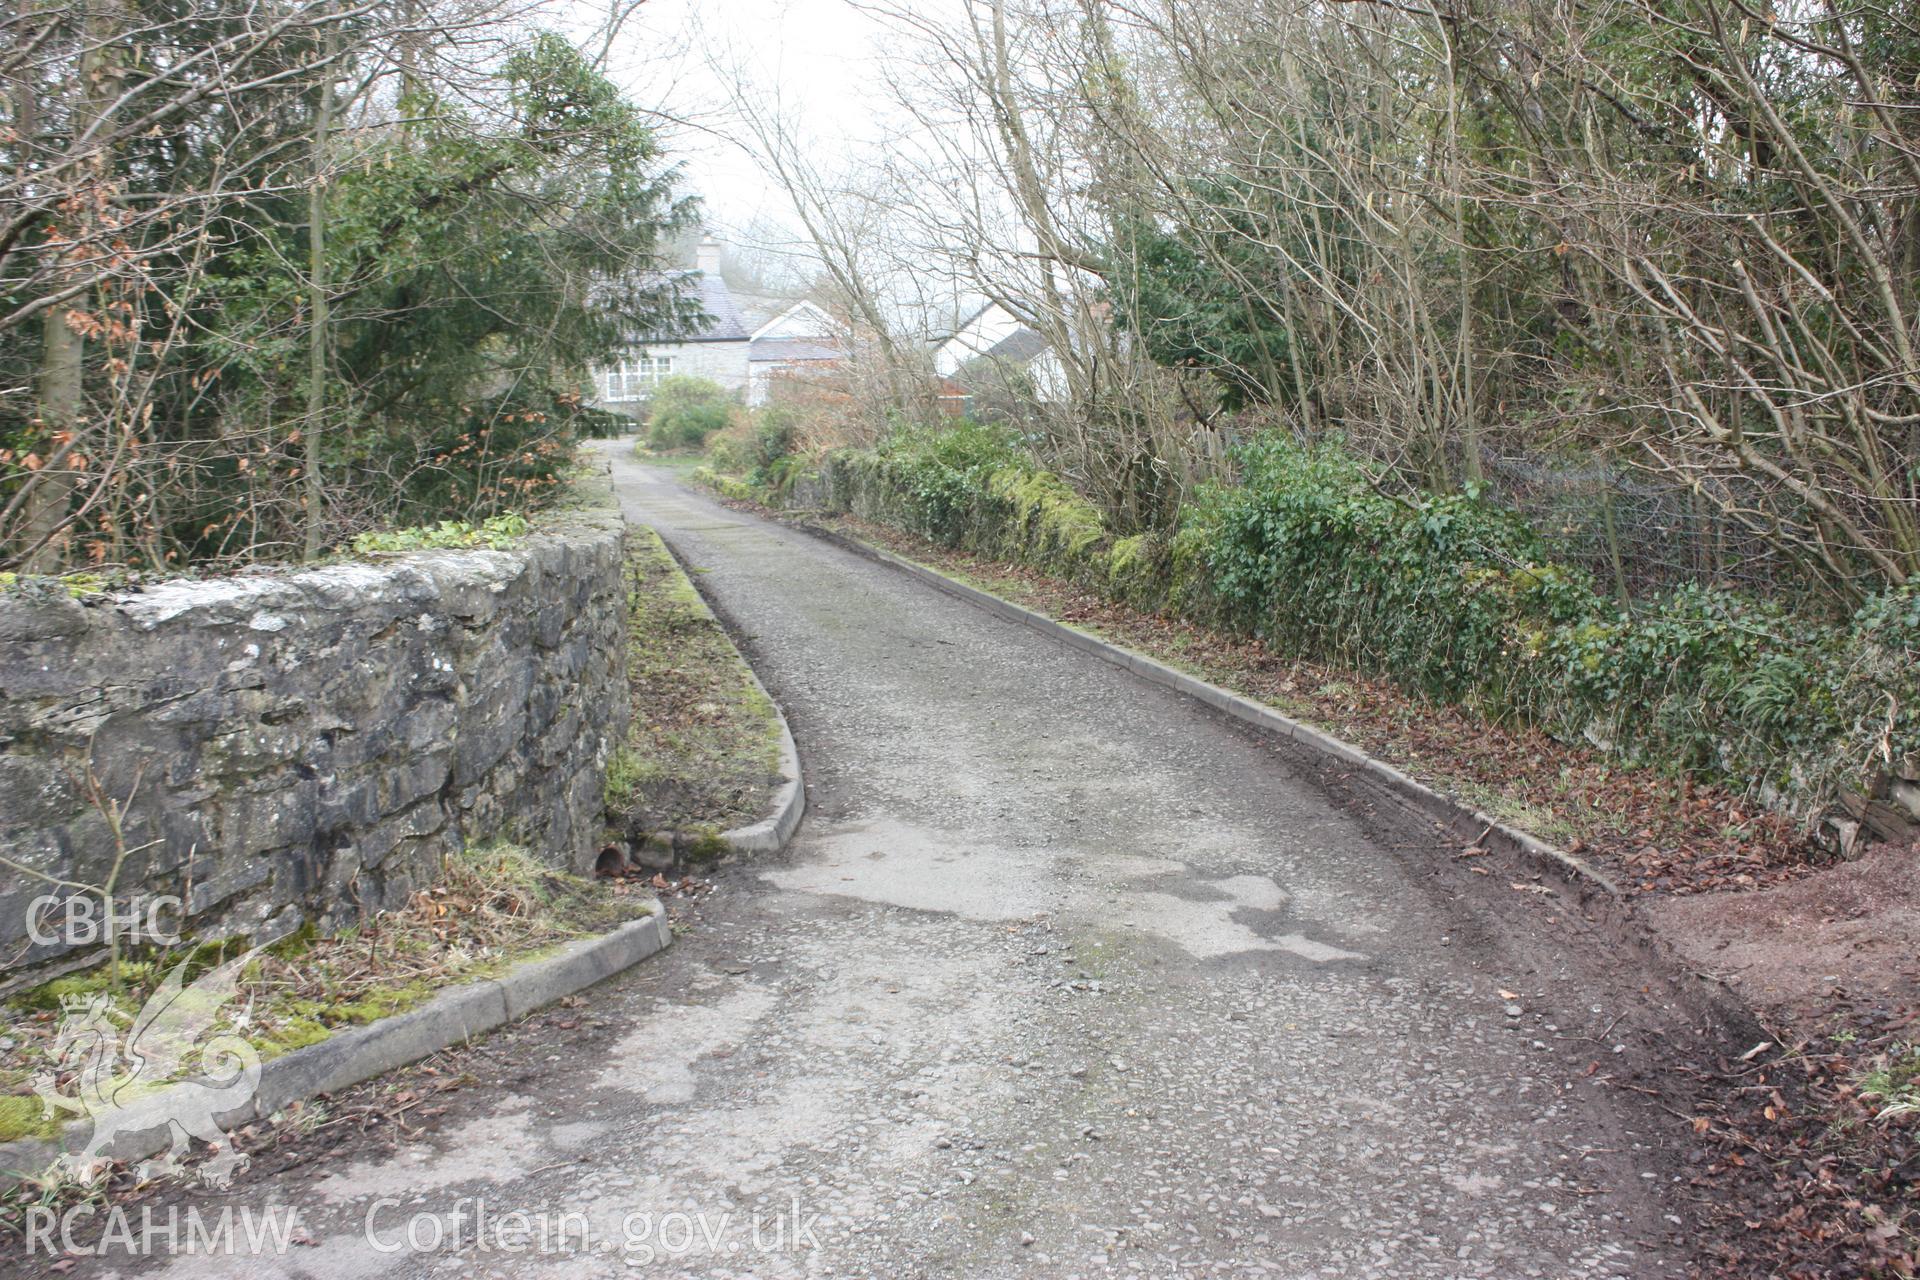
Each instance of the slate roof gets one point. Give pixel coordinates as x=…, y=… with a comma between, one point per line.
x=1018, y=347
x=716, y=300
x=793, y=349
x=757, y=309
x=725, y=322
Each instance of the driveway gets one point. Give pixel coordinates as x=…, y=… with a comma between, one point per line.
x=1064, y=975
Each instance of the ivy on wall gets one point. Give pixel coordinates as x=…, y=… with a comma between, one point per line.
x=1452, y=597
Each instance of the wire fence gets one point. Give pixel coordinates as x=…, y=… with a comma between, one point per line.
x=1635, y=534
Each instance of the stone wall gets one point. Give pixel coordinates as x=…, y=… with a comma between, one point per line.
x=308, y=745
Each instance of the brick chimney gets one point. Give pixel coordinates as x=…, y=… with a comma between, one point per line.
x=706, y=258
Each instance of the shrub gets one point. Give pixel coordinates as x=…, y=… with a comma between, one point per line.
x=1456, y=600
x=939, y=473
x=1306, y=552
x=758, y=447
x=508, y=453
x=729, y=451
x=685, y=411
x=770, y=446
x=1452, y=597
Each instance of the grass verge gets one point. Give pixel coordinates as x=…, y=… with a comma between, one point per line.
x=703, y=751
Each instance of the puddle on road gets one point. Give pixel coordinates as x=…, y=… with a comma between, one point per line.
x=922, y=869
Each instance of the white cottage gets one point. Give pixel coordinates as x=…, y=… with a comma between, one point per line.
x=974, y=337
x=718, y=352
x=740, y=347
x=992, y=344
x=803, y=343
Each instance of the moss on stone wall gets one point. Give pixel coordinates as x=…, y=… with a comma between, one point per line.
x=726, y=486
x=328, y=735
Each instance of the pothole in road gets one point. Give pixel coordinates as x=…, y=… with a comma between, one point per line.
x=925, y=869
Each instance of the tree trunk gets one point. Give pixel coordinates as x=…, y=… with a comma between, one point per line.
x=1467, y=394
x=319, y=312
x=60, y=385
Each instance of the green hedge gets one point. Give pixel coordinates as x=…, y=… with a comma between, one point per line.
x=1457, y=600
x=1454, y=599
x=683, y=412
x=973, y=487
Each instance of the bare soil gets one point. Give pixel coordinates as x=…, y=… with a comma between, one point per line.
x=1851, y=933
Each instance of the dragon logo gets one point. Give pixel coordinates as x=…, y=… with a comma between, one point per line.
x=135, y=1083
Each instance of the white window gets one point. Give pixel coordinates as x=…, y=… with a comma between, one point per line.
x=636, y=379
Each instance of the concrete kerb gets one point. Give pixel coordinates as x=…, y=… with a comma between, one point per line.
x=771, y=833
x=348, y=1057
x=1442, y=807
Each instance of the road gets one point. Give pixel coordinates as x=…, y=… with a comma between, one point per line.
x=1063, y=976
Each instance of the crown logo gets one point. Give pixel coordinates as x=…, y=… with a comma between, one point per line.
x=86, y=1003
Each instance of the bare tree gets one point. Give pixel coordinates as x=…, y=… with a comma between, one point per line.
x=196, y=204
x=1683, y=240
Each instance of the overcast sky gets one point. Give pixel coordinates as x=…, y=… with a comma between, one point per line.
x=677, y=56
